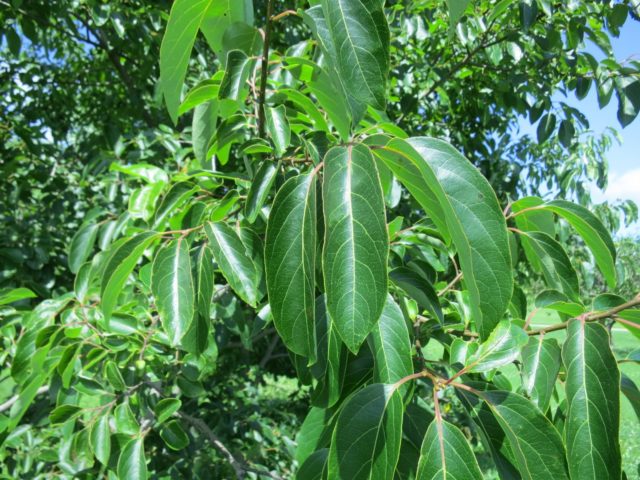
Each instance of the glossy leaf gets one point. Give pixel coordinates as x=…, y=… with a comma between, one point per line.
x=391, y=346
x=540, y=366
x=8, y=296
x=594, y=234
x=132, y=463
x=554, y=262
x=236, y=266
x=165, y=408
x=446, y=455
x=366, y=439
x=172, y=287
x=360, y=34
x=81, y=246
x=100, y=439
x=290, y=263
x=184, y=22
x=593, y=402
x=465, y=209
x=203, y=128
x=536, y=445
x=314, y=466
x=235, y=75
x=260, y=188
x=501, y=348
x=278, y=128
x=174, y=436
x=120, y=263
x=356, y=243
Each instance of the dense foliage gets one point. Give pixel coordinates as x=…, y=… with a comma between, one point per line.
x=329, y=265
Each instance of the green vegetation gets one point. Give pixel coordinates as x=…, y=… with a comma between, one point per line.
x=290, y=239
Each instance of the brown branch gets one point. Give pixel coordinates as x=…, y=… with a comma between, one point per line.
x=589, y=317
x=265, y=70
x=239, y=466
x=450, y=285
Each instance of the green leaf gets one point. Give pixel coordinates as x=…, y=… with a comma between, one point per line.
x=125, y=420
x=313, y=434
x=628, y=91
x=172, y=201
x=360, y=34
x=172, y=287
x=419, y=289
x=356, y=243
x=278, y=128
x=632, y=317
x=446, y=455
x=465, y=209
x=554, y=262
x=174, y=436
x=592, y=385
x=456, y=11
x=100, y=439
x=204, y=282
x=63, y=413
x=203, y=128
x=132, y=463
x=630, y=390
x=391, y=346
x=260, y=188
x=331, y=359
x=290, y=263
x=203, y=92
x=185, y=19
x=235, y=75
x=122, y=259
x=592, y=231
x=367, y=436
x=540, y=367
x=532, y=220
x=314, y=467
x=546, y=127
x=501, y=348
x=536, y=445
x=220, y=16
x=237, y=268
x=165, y=408
x=112, y=372
x=8, y=296
x=81, y=246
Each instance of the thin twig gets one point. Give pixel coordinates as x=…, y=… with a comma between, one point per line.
x=590, y=317
x=450, y=285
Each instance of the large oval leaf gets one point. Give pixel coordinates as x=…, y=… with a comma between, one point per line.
x=446, y=455
x=360, y=35
x=81, y=246
x=172, y=287
x=366, y=440
x=356, y=243
x=119, y=265
x=236, y=266
x=260, y=188
x=540, y=367
x=132, y=463
x=465, y=209
x=593, y=402
x=290, y=263
x=536, y=444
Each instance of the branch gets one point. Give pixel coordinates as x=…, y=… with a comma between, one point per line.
x=9, y=403
x=239, y=466
x=265, y=70
x=589, y=317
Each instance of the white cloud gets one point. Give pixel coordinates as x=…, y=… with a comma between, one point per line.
x=622, y=186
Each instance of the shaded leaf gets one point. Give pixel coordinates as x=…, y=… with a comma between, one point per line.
x=540, y=366
x=260, y=188
x=278, y=128
x=132, y=463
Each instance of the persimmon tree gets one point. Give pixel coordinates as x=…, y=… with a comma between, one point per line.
x=383, y=263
